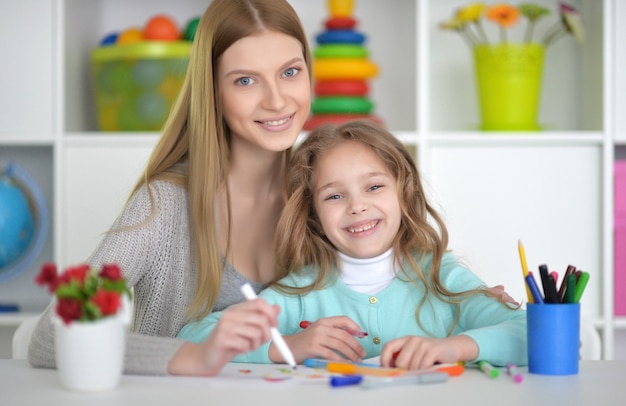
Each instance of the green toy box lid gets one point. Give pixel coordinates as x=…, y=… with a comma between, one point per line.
x=142, y=50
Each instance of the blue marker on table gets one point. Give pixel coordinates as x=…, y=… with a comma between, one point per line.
x=315, y=363
x=338, y=381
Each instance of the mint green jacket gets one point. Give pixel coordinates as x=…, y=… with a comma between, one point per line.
x=499, y=331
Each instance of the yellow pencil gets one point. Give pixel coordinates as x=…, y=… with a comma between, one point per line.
x=522, y=258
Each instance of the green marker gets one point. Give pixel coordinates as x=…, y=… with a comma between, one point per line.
x=488, y=369
x=580, y=286
x=570, y=291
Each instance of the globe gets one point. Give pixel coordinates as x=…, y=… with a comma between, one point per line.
x=23, y=221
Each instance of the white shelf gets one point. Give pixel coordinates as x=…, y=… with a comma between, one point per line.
x=14, y=319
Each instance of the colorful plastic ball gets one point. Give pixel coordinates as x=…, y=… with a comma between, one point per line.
x=110, y=39
x=130, y=36
x=161, y=28
x=148, y=73
x=152, y=109
x=128, y=119
x=113, y=78
x=191, y=28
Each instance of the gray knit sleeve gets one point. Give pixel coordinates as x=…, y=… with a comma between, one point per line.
x=150, y=243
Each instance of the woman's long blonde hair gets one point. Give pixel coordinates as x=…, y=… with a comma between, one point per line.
x=197, y=134
x=300, y=241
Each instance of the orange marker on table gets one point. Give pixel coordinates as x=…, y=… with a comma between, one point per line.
x=455, y=369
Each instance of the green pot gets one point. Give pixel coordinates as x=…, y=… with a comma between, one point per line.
x=509, y=85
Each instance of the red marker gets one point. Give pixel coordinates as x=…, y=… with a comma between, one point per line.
x=358, y=334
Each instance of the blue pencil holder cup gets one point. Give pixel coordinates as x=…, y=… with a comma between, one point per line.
x=553, y=338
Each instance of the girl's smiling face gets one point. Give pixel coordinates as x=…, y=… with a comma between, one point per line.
x=265, y=90
x=356, y=200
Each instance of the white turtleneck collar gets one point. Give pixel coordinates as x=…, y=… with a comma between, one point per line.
x=369, y=275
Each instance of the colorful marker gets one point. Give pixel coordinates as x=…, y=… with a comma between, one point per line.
x=409, y=378
x=555, y=277
x=338, y=381
x=278, y=340
x=570, y=270
x=359, y=334
x=550, y=294
x=522, y=258
x=512, y=370
x=580, y=286
x=488, y=369
x=534, y=289
x=355, y=369
x=570, y=292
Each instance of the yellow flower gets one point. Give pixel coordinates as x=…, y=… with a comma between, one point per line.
x=503, y=14
x=453, y=24
x=471, y=13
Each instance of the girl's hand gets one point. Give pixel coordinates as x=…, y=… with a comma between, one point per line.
x=326, y=338
x=241, y=328
x=414, y=352
x=499, y=292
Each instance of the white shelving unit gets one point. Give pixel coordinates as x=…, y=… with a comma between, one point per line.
x=551, y=189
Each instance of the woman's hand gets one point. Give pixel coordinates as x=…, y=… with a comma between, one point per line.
x=241, y=328
x=327, y=338
x=414, y=352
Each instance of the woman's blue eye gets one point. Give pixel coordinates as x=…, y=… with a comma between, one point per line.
x=376, y=187
x=292, y=72
x=333, y=197
x=245, y=81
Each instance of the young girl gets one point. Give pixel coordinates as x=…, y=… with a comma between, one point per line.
x=361, y=250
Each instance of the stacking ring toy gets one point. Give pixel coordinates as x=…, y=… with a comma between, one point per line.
x=342, y=104
x=340, y=23
x=343, y=68
x=341, y=87
x=340, y=37
x=340, y=51
x=340, y=8
x=316, y=121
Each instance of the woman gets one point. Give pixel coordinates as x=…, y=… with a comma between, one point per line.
x=202, y=219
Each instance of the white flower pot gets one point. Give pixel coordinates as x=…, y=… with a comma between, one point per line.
x=90, y=355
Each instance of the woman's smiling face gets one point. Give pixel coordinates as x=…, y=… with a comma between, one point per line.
x=265, y=90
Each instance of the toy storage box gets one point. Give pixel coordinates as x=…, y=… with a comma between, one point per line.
x=137, y=84
x=620, y=238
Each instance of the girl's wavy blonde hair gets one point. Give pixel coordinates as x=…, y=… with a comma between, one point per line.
x=300, y=241
x=197, y=136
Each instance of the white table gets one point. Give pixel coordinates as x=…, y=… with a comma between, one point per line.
x=598, y=383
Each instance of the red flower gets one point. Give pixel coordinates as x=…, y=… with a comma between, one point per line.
x=85, y=294
x=107, y=302
x=78, y=273
x=48, y=276
x=111, y=272
x=69, y=309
